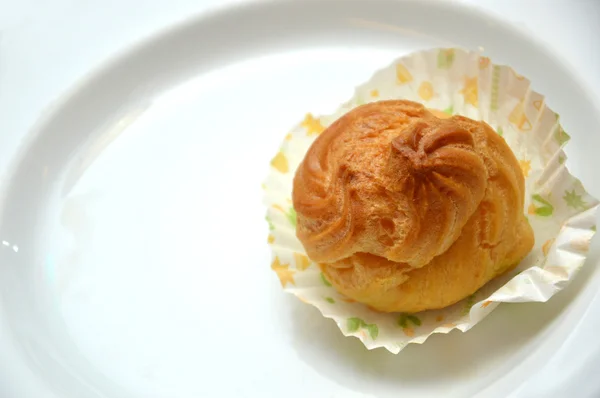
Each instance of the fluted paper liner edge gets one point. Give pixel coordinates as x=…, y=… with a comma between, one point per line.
x=560, y=211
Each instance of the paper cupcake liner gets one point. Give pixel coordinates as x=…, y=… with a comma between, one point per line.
x=560, y=211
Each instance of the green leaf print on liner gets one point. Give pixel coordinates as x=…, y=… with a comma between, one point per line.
x=271, y=226
x=360, y=100
x=325, y=281
x=405, y=319
x=545, y=210
x=593, y=228
x=330, y=300
x=561, y=137
x=416, y=321
x=469, y=304
x=449, y=110
x=354, y=324
x=500, y=131
x=573, y=200
x=291, y=215
x=373, y=331
x=445, y=58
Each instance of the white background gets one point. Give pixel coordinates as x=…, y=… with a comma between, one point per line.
x=46, y=47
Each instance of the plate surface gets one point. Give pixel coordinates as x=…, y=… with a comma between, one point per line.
x=133, y=255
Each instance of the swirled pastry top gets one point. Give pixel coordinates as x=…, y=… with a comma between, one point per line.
x=391, y=179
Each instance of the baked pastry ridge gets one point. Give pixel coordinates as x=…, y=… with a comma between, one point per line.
x=406, y=211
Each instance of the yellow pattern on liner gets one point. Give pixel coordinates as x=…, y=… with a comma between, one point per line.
x=525, y=167
x=519, y=119
x=547, y=245
x=410, y=332
x=426, y=91
x=313, y=126
x=402, y=74
x=280, y=163
x=470, y=91
x=284, y=274
x=302, y=261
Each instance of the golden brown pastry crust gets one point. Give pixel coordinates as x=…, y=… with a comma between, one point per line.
x=406, y=211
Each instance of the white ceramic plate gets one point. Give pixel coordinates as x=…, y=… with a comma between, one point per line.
x=133, y=244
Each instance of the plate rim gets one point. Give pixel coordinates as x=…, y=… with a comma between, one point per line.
x=113, y=62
